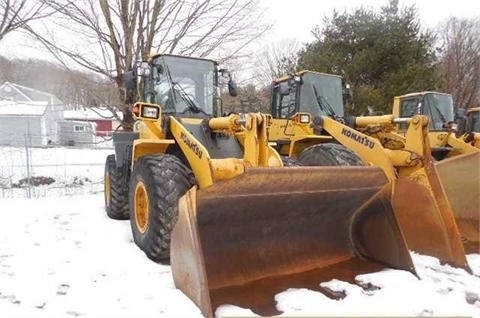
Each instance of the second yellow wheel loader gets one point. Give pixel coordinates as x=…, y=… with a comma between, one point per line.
x=458, y=158
x=211, y=195
x=308, y=119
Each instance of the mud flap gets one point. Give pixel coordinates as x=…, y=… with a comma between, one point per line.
x=460, y=177
x=243, y=240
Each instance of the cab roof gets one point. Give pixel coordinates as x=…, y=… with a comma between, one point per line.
x=301, y=73
x=422, y=94
x=155, y=55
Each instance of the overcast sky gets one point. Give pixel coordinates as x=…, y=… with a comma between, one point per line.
x=295, y=18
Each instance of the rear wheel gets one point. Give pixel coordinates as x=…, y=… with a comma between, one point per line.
x=329, y=154
x=156, y=185
x=116, y=191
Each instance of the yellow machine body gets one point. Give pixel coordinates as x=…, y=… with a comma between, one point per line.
x=459, y=161
x=252, y=228
x=405, y=159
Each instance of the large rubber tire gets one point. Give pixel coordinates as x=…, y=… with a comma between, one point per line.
x=115, y=190
x=164, y=179
x=289, y=162
x=329, y=154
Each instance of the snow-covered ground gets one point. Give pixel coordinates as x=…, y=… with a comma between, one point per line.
x=60, y=256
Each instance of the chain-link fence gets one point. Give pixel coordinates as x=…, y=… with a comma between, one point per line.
x=48, y=171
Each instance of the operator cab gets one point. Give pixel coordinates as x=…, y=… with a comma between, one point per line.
x=437, y=106
x=315, y=93
x=473, y=120
x=180, y=85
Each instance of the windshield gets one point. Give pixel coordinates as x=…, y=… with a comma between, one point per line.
x=321, y=95
x=179, y=82
x=439, y=108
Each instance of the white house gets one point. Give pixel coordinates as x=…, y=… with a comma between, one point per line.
x=28, y=115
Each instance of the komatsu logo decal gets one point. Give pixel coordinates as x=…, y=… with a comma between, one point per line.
x=192, y=145
x=358, y=138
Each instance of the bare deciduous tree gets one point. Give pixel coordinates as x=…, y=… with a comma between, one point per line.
x=277, y=60
x=460, y=60
x=16, y=13
x=109, y=36
x=249, y=99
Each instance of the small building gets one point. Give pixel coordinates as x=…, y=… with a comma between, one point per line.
x=28, y=116
x=76, y=133
x=103, y=118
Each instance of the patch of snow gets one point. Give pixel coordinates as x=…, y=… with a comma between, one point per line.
x=91, y=113
x=62, y=257
x=233, y=311
x=339, y=286
x=474, y=262
x=8, y=107
x=440, y=291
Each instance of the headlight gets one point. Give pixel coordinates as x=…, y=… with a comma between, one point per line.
x=304, y=119
x=150, y=112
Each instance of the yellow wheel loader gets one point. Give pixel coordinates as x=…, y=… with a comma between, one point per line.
x=470, y=130
x=308, y=119
x=458, y=158
x=445, y=133
x=210, y=194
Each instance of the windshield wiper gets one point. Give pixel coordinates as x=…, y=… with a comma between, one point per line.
x=442, y=117
x=191, y=103
x=323, y=103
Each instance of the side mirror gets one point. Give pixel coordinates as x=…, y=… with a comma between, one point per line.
x=461, y=113
x=232, y=88
x=143, y=69
x=284, y=88
x=348, y=95
x=129, y=80
x=460, y=121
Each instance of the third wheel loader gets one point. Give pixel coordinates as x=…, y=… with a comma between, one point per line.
x=212, y=196
x=469, y=129
x=307, y=110
x=458, y=159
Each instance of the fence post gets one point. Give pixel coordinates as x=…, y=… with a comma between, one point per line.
x=27, y=154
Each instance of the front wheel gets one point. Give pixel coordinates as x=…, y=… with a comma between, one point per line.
x=329, y=154
x=156, y=185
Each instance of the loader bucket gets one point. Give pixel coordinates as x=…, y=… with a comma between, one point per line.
x=460, y=177
x=243, y=240
x=426, y=217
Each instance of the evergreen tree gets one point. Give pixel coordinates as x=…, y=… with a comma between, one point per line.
x=380, y=54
